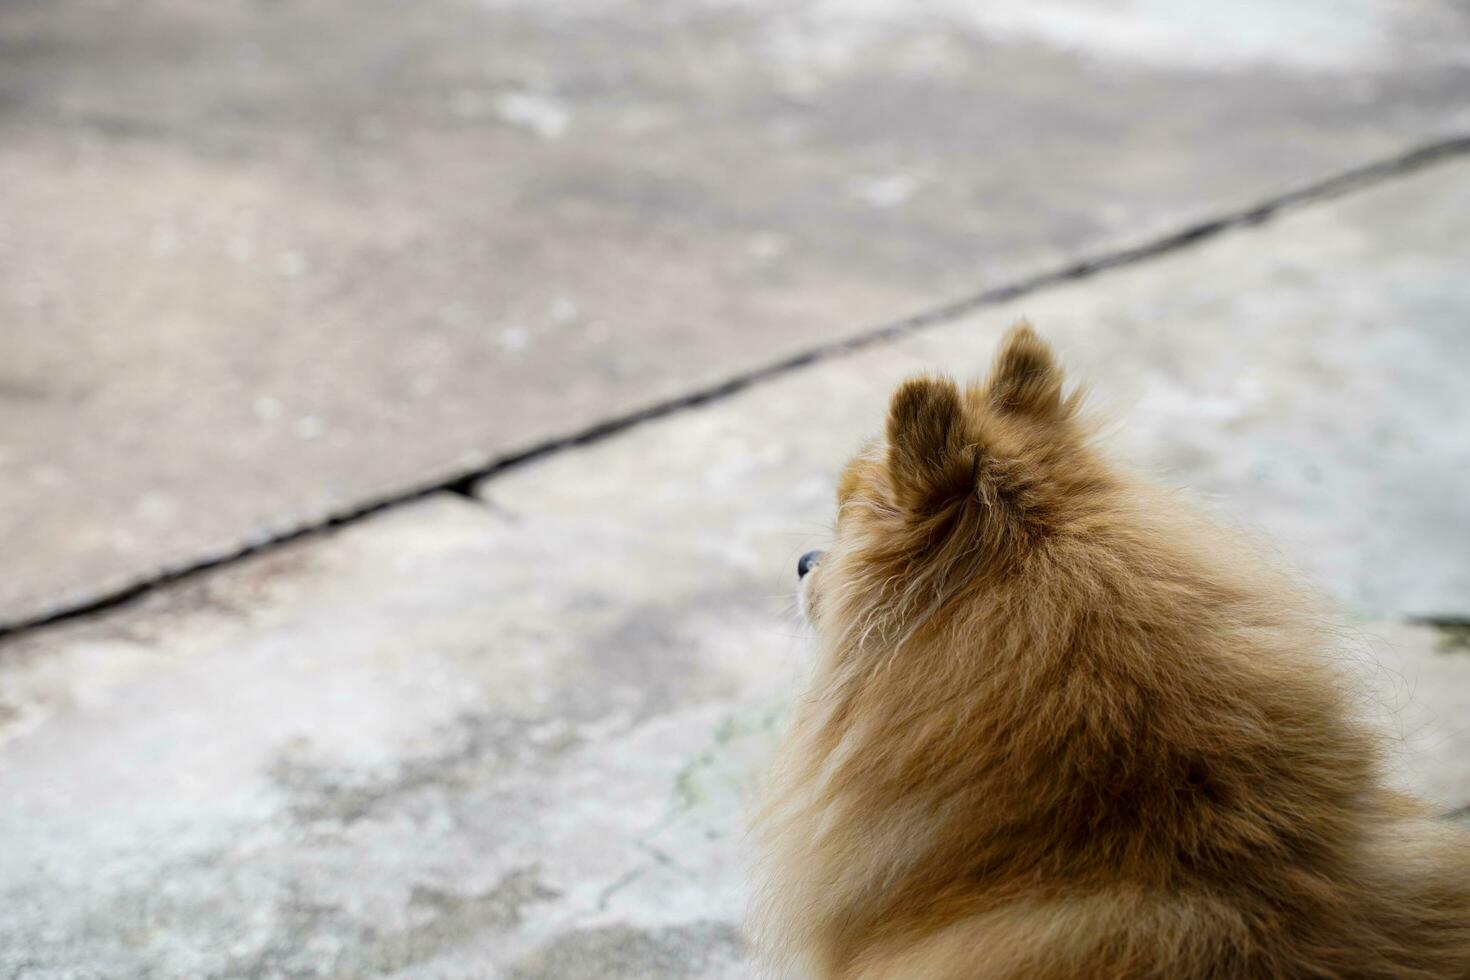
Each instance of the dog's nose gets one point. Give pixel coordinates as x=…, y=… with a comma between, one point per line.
x=807, y=562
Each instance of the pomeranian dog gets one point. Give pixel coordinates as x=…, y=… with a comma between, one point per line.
x=1059, y=727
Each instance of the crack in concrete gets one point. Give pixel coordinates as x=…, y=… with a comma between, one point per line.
x=462, y=482
x=683, y=799
x=656, y=859
x=605, y=897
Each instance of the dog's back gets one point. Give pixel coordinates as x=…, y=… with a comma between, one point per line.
x=1405, y=918
x=1059, y=727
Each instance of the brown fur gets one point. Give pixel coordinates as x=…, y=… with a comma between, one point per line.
x=1059, y=727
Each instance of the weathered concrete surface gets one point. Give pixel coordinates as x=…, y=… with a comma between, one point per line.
x=432, y=746
x=260, y=262
x=1306, y=379
x=516, y=739
x=428, y=746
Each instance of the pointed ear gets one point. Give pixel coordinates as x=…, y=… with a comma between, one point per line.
x=1026, y=379
x=929, y=458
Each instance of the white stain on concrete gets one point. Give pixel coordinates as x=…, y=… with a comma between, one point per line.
x=887, y=191
x=514, y=339
x=547, y=117
x=1311, y=35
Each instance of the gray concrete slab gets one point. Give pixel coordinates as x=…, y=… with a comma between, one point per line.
x=1303, y=379
x=430, y=746
x=516, y=738
x=427, y=746
x=262, y=262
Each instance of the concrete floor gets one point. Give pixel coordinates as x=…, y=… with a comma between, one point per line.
x=265, y=263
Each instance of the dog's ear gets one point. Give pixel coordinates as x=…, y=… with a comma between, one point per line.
x=930, y=460
x=1025, y=379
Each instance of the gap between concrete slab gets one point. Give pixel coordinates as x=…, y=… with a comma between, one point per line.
x=462, y=483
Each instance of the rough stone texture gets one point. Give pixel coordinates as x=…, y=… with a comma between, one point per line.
x=1305, y=379
x=421, y=747
x=515, y=738
x=424, y=747
x=260, y=262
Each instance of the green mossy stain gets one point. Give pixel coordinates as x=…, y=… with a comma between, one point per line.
x=759, y=721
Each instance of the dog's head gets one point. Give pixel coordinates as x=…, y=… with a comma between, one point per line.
x=968, y=486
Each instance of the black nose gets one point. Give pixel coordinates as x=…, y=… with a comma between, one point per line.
x=807, y=562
